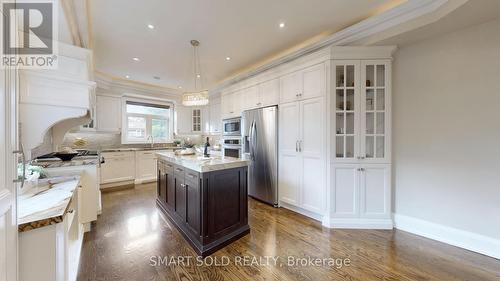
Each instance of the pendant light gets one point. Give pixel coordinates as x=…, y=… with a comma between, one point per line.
x=198, y=97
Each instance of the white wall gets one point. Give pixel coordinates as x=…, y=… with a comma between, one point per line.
x=446, y=131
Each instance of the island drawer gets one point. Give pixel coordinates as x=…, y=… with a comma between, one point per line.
x=178, y=172
x=169, y=167
x=192, y=176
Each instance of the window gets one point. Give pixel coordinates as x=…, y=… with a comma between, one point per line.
x=145, y=120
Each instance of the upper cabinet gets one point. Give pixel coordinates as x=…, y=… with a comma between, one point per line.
x=303, y=84
x=269, y=92
x=108, y=114
x=231, y=104
x=215, y=117
x=362, y=111
x=259, y=95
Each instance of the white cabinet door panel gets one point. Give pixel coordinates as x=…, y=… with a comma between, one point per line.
x=108, y=111
x=312, y=120
x=311, y=148
x=215, y=118
x=289, y=178
x=375, y=191
x=314, y=81
x=313, y=184
x=289, y=159
x=250, y=98
x=290, y=87
x=270, y=92
x=345, y=181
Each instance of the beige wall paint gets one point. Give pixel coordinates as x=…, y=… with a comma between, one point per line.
x=446, y=130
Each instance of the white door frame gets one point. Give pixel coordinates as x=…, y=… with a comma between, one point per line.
x=8, y=172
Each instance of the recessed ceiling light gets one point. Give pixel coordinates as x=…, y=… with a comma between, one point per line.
x=150, y=26
x=180, y=87
x=282, y=24
x=198, y=75
x=228, y=58
x=127, y=76
x=136, y=59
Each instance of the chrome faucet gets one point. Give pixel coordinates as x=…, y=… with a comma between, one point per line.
x=152, y=141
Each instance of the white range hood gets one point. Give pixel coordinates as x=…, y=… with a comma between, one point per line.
x=50, y=98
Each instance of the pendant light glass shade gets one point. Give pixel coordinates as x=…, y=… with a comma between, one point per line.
x=196, y=97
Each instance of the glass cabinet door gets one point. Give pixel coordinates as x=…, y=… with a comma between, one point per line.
x=374, y=103
x=346, y=111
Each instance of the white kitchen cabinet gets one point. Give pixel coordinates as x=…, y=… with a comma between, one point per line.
x=361, y=130
x=302, y=168
x=231, y=104
x=360, y=142
x=215, y=118
x=250, y=98
x=303, y=84
x=145, y=168
x=375, y=191
x=362, y=192
x=183, y=118
x=108, y=113
x=52, y=252
x=118, y=167
x=191, y=120
x=289, y=158
x=261, y=95
x=269, y=92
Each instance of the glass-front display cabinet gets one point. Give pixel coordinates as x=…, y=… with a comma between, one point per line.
x=361, y=105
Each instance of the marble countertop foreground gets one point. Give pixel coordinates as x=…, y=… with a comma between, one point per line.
x=56, y=162
x=202, y=165
x=45, y=204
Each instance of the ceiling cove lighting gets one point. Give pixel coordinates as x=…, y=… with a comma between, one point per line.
x=198, y=97
x=150, y=26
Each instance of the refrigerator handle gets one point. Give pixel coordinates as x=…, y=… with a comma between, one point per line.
x=253, y=130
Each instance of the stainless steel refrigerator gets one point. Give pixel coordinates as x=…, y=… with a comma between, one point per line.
x=260, y=146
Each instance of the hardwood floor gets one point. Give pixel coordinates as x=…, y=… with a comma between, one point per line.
x=131, y=233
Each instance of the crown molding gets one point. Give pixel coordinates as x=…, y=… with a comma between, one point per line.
x=117, y=85
x=368, y=28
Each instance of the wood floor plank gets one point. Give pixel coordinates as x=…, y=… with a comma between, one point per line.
x=131, y=232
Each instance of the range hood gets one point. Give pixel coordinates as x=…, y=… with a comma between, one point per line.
x=57, y=99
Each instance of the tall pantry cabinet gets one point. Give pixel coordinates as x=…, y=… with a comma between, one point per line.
x=360, y=138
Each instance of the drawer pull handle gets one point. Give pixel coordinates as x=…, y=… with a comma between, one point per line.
x=178, y=170
x=191, y=176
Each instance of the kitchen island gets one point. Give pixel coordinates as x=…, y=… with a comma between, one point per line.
x=206, y=199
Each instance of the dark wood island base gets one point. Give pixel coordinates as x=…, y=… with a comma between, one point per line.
x=209, y=208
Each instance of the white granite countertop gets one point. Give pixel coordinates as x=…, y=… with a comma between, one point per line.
x=47, y=203
x=202, y=165
x=77, y=161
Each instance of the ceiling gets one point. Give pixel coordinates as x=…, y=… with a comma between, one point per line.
x=246, y=31
x=471, y=13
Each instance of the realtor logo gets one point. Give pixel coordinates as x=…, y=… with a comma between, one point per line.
x=29, y=35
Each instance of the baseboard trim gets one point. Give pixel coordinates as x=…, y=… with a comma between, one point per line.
x=301, y=211
x=357, y=223
x=464, y=239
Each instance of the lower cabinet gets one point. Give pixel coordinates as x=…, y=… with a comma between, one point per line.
x=362, y=196
x=210, y=209
x=118, y=167
x=145, y=168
